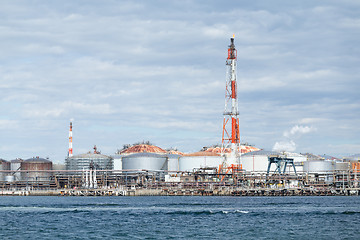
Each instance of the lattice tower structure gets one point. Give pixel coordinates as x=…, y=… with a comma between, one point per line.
x=231, y=130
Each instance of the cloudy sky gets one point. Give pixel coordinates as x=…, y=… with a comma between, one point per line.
x=128, y=71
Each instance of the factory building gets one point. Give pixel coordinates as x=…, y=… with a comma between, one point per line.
x=203, y=159
x=354, y=161
x=38, y=169
x=88, y=161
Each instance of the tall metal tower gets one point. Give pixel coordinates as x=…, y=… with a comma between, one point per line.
x=70, y=141
x=231, y=130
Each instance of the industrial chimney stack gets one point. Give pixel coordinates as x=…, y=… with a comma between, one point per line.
x=70, y=141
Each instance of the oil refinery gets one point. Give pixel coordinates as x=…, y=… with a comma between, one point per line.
x=231, y=168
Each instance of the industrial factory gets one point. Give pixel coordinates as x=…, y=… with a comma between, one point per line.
x=143, y=167
x=231, y=168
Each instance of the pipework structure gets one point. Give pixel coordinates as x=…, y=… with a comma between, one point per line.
x=231, y=130
x=70, y=141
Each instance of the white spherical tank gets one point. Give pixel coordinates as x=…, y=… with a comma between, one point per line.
x=145, y=161
x=188, y=162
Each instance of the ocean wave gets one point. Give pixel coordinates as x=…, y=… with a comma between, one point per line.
x=347, y=212
x=191, y=204
x=328, y=212
x=42, y=210
x=102, y=205
x=206, y=212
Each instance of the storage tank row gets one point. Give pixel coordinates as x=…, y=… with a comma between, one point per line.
x=169, y=162
x=149, y=157
x=145, y=157
x=33, y=169
x=258, y=162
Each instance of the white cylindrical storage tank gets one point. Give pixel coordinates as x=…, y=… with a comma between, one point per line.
x=145, y=161
x=257, y=161
x=299, y=160
x=319, y=166
x=173, y=162
x=342, y=166
x=87, y=160
x=10, y=178
x=36, y=169
x=117, y=162
x=4, y=165
x=15, y=167
x=59, y=166
x=188, y=162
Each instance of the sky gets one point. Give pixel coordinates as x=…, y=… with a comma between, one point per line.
x=132, y=71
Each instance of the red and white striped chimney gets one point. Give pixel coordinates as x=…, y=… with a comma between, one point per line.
x=70, y=141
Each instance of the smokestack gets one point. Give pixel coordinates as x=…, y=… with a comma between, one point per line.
x=70, y=141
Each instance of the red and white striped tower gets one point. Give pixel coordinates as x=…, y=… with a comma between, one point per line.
x=70, y=141
x=231, y=130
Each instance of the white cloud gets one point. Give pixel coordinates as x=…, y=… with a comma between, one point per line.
x=353, y=23
x=188, y=125
x=162, y=68
x=289, y=146
x=216, y=31
x=73, y=17
x=294, y=133
x=67, y=107
x=312, y=120
x=8, y=124
x=298, y=130
x=37, y=48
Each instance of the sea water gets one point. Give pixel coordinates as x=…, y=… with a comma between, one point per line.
x=179, y=217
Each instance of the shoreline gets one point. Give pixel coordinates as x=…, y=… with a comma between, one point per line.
x=226, y=191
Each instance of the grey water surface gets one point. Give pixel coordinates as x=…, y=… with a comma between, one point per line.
x=179, y=217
